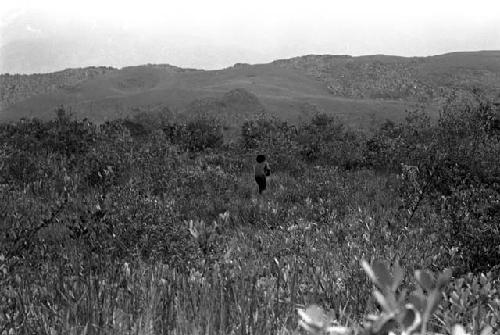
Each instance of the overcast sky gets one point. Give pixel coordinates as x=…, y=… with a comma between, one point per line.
x=49, y=35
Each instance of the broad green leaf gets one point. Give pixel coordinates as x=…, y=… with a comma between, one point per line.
x=384, y=324
x=338, y=330
x=443, y=278
x=398, y=276
x=425, y=279
x=418, y=301
x=455, y=298
x=483, y=279
x=486, y=289
x=411, y=319
x=386, y=306
x=487, y=331
x=384, y=277
x=309, y=328
x=458, y=330
x=402, y=297
x=432, y=302
x=369, y=271
x=313, y=316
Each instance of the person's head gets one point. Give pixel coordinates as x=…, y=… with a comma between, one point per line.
x=261, y=158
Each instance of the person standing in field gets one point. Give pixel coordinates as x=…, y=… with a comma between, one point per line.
x=262, y=171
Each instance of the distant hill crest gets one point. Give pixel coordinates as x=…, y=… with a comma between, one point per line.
x=357, y=89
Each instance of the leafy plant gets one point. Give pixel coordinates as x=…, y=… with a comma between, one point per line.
x=402, y=313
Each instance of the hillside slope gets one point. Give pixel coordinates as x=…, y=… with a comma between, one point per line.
x=360, y=90
x=17, y=87
x=391, y=77
x=284, y=93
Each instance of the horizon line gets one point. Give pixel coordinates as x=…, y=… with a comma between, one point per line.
x=249, y=64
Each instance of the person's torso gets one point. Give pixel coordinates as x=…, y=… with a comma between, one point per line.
x=260, y=169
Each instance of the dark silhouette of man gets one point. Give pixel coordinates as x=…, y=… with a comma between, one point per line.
x=262, y=171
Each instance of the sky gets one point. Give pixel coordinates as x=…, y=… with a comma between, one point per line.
x=50, y=35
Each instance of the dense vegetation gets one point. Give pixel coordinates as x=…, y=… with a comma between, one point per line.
x=146, y=226
x=16, y=87
x=392, y=77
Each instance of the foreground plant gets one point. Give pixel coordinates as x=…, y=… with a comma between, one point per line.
x=401, y=313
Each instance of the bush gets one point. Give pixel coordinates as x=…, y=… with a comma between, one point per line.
x=197, y=134
x=325, y=141
x=453, y=166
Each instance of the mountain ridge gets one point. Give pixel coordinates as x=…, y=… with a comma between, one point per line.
x=355, y=88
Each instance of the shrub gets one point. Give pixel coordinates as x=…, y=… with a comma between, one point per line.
x=454, y=169
x=326, y=141
x=414, y=313
x=136, y=235
x=197, y=134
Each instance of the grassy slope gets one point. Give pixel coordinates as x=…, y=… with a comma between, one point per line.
x=461, y=68
x=285, y=93
x=287, y=89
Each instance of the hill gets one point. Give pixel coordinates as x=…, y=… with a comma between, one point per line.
x=17, y=87
x=359, y=90
x=391, y=77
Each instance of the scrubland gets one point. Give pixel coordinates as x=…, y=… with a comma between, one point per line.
x=143, y=226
